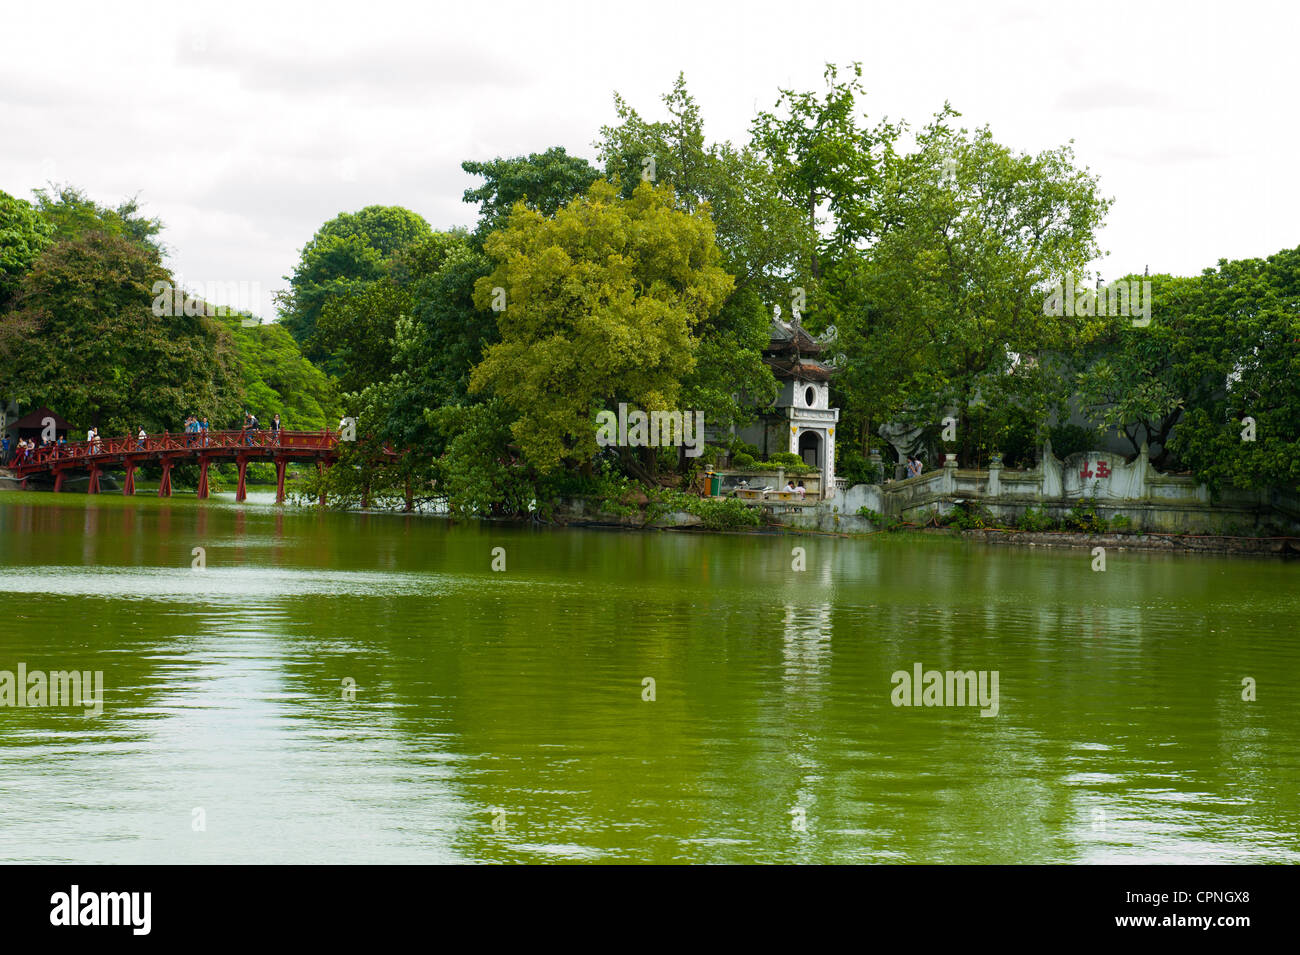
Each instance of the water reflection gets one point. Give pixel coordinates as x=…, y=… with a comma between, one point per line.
x=503, y=715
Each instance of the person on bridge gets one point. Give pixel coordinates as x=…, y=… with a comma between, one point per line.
x=139, y=439
x=275, y=429
x=4, y=450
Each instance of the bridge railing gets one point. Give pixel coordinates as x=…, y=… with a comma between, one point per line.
x=103, y=448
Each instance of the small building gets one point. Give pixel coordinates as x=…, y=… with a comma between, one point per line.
x=801, y=420
x=32, y=426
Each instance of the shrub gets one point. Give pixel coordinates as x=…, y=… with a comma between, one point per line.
x=1035, y=520
x=743, y=461
x=1084, y=517
x=722, y=513
x=715, y=513
x=969, y=516
x=852, y=465
x=790, y=462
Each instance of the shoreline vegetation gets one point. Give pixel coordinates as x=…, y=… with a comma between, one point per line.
x=1219, y=544
x=684, y=513
x=937, y=283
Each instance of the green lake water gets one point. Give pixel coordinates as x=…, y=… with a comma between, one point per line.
x=499, y=715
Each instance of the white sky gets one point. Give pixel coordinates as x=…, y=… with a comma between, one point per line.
x=246, y=126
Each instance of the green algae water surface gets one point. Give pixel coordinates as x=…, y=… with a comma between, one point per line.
x=288, y=685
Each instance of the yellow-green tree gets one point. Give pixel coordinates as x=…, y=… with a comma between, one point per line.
x=596, y=305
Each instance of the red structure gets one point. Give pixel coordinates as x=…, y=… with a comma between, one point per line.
x=203, y=447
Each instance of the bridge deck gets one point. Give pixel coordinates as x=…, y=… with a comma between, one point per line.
x=203, y=447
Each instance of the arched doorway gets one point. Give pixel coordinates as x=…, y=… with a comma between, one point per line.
x=810, y=448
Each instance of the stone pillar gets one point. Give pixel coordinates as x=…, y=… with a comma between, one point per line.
x=1051, y=481
x=876, y=466
x=1139, y=489
x=995, y=475
x=950, y=474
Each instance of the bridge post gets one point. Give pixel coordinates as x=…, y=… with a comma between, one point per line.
x=58, y=480
x=241, y=490
x=202, y=490
x=93, y=488
x=280, y=464
x=129, y=487
x=408, y=493
x=320, y=473
x=165, y=484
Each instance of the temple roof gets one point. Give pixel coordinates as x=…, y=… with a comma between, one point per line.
x=789, y=337
x=36, y=419
x=799, y=369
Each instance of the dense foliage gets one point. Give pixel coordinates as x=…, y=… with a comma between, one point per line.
x=649, y=278
x=79, y=332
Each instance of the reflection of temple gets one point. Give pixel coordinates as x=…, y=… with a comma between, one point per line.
x=801, y=419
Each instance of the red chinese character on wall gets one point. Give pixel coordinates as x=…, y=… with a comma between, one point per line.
x=1086, y=472
x=1103, y=469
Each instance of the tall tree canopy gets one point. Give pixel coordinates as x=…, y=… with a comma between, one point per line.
x=1240, y=354
x=83, y=339
x=347, y=253
x=828, y=162
x=763, y=241
x=947, y=300
x=73, y=214
x=600, y=306
x=24, y=232
x=543, y=182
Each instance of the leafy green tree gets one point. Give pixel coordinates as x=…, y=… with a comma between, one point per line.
x=275, y=378
x=543, y=182
x=1135, y=380
x=437, y=336
x=828, y=162
x=600, y=306
x=950, y=296
x=481, y=473
x=357, y=330
x=83, y=339
x=345, y=255
x=763, y=240
x=360, y=329
x=74, y=215
x=24, y=233
x=1240, y=352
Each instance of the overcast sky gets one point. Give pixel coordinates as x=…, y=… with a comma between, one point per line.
x=246, y=126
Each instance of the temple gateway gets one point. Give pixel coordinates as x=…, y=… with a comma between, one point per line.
x=801, y=419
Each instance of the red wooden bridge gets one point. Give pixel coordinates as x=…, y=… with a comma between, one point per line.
x=203, y=447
